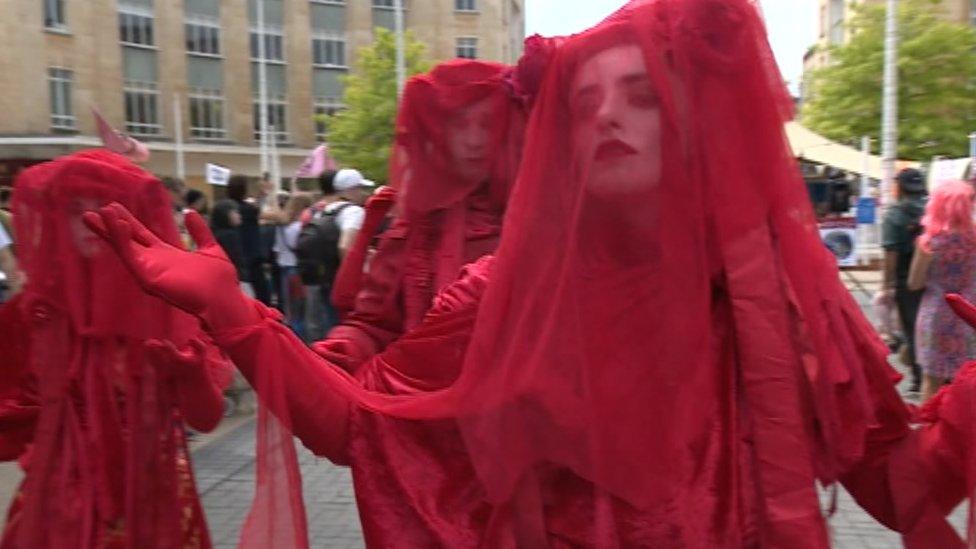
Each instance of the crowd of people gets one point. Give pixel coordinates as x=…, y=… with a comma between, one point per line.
x=578, y=316
x=930, y=251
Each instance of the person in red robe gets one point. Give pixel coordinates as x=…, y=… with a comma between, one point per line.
x=458, y=140
x=93, y=414
x=661, y=353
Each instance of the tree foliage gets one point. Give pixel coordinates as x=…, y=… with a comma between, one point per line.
x=360, y=136
x=936, y=82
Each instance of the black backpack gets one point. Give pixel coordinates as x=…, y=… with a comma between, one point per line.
x=317, y=248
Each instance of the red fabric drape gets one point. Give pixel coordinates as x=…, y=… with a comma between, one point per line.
x=622, y=322
x=108, y=463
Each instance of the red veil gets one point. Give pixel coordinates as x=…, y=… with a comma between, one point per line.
x=442, y=201
x=109, y=463
x=681, y=340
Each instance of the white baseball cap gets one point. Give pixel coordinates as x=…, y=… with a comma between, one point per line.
x=348, y=178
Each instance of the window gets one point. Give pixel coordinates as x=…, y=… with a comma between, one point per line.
x=141, y=108
x=136, y=27
x=207, y=114
x=332, y=2
x=465, y=5
x=54, y=15
x=274, y=45
x=59, y=83
x=384, y=4
x=202, y=36
x=324, y=107
x=329, y=51
x=467, y=48
x=277, y=118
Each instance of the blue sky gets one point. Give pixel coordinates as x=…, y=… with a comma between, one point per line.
x=792, y=25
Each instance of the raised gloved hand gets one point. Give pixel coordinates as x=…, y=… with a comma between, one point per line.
x=349, y=279
x=382, y=200
x=203, y=283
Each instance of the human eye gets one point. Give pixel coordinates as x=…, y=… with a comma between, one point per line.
x=641, y=94
x=587, y=103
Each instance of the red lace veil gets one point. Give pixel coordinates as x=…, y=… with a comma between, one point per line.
x=631, y=297
x=108, y=461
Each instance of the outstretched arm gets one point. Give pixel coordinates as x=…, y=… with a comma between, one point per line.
x=289, y=378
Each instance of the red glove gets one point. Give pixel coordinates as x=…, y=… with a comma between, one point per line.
x=203, y=283
x=349, y=279
x=962, y=308
x=200, y=399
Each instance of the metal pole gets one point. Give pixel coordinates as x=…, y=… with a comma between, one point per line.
x=889, y=107
x=178, y=138
x=865, y=166
x=262, y=89
x=972, y=148
x=401, y=68
x=275, y=167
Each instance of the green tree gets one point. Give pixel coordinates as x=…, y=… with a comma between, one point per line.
x=361, y=135
x=936, y=82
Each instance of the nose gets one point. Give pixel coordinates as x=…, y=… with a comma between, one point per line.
x=609, y=115
x=475, y=139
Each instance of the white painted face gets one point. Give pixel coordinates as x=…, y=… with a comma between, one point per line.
x=86, y=242
x=469, y=141
x=616, y=122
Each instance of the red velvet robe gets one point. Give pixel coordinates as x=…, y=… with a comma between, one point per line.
x=415, y=486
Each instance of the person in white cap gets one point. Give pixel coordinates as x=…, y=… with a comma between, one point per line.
x=328, y=231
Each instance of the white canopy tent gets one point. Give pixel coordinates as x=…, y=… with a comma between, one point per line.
x=814, y=147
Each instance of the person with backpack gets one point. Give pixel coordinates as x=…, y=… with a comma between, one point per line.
x=328, y=231
x=902, y=224
x=288, y=226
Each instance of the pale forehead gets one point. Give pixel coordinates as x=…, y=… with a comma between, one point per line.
x=610, y=65
x=474, y=110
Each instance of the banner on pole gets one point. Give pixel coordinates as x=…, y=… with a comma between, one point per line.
x=217, y=175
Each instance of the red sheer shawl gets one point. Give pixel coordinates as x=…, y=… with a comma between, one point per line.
x=594, y=342
x=109, y=459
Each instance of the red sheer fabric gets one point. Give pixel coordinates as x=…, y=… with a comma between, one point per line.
x=458, y=137
x=661, y=293
x=664, y=355
x=458, y=143
x=108, y=463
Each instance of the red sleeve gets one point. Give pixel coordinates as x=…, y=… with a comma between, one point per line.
x=349, y=279
x=377, y=319
x=293, y=382
x=910, y=479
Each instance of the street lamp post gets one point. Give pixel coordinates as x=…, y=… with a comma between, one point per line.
x=401, y=68
x=262, y=90
x=889, y=107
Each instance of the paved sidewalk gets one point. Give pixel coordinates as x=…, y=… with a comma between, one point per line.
x=224, y=472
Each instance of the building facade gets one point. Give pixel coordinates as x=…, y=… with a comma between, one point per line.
x=144, y=64
x=834, y=29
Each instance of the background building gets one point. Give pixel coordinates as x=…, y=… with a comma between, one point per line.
x=135, y=59
x=834, y=30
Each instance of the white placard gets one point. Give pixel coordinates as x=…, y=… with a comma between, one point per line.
x=947, y=169
x=217, y=175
